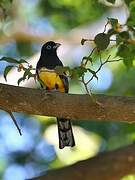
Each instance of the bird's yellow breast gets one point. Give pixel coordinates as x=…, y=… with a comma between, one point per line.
x=51, y=79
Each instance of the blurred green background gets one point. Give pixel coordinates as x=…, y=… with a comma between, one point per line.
x=24, y=27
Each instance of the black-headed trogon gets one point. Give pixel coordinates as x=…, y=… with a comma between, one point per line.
x=53, y=81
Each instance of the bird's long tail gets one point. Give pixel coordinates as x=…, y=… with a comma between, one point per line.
x=65, y=133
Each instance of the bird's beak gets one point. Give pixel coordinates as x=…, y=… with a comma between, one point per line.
x=57, y=45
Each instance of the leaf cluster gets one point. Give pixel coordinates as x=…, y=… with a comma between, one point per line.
x=5, y=8
x=65, y=14
x=121, y=35
x=19, y=64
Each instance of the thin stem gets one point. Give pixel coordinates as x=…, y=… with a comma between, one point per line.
x=85, y=85
x=103, y=63
x=105, y=27
x=15, y=122
x=115, y=60
x=89, y=56
x=89, y=39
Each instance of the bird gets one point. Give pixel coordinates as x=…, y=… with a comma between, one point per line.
x=51, y=81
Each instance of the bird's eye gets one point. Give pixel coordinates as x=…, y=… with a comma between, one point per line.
x=48, y=47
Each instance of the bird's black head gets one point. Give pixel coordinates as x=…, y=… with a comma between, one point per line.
x=49, y=47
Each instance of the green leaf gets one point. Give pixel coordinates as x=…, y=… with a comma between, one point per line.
x=78, y=72
x=23, y=61
x=9, y=60
x=111, y=1
x=131, y=19
x=41, y=83
x=111, y=32
x=102, y=41
x=89, y=58
x=31, y=75
x=27, y=73
x=6, y=71
x=128, y=2
x=123, y=51
x=20, y=80
x=12, y=60
x=128, y=62
x=93, y=72
x=127, y=53
x=59, y=70
x=73, y=74
x=114, y=22
x=122, y=37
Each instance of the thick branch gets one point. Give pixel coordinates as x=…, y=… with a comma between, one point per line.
x=41, y=102
x=111, y=165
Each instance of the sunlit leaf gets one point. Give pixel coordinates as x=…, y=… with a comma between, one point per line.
x=129, y=177
x=6, y=71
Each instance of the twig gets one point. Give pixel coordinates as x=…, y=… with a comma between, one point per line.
x=85, y=85
x=89, y=40
x=89, y=56
x=103, y=63
x=105, y=26
x=15, y=122
x=115, y=60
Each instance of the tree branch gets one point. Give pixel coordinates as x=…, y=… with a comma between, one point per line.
x=42, y=102
x=111, y=165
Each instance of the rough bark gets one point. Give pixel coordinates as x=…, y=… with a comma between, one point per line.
x=111, y=165
x=82, y=107
x=107, y=166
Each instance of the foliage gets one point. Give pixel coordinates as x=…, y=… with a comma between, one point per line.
x=5, y=7
x=125, y=51
x=65, y=14
x=111, y=1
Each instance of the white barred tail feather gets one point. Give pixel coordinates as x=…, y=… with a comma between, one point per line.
x=65, y=133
